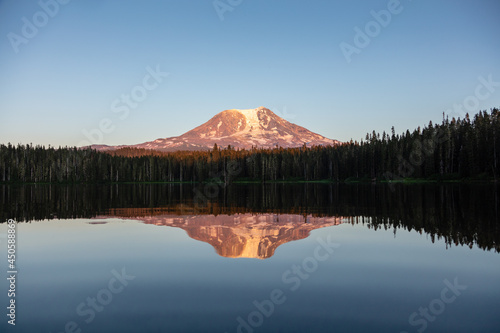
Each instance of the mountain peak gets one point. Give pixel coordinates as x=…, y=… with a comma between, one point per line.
x=238, y=235
x=241, y=128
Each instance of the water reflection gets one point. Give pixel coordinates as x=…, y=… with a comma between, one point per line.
x=374, y=282
x=458, y=214
x=239, y=235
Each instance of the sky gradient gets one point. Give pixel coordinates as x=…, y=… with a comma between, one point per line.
x=72, y=75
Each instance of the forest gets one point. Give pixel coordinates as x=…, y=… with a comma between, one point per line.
x=466, y=214
x=456, y=149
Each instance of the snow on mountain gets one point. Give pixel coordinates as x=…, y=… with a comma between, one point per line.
x=249, y=128
x=238, y=235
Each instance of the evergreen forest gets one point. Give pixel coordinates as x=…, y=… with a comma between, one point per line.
x=456, y=149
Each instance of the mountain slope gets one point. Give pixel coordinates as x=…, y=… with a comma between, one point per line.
x=258, y=127
x=239, y=235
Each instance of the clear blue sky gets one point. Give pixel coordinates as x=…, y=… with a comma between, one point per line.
x=285, y=55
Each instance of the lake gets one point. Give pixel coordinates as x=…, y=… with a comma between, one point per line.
x=252, y=258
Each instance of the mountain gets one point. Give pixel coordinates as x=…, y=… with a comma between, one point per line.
x=239, y=235
x=258, y=127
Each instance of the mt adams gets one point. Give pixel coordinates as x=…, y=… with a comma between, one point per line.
x=239, y=128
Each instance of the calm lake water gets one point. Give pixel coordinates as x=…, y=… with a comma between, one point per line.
x=253, y=258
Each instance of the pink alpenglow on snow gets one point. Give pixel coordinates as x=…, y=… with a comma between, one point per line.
x=242, y=129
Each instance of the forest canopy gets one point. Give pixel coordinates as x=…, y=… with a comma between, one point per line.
x=454, y=149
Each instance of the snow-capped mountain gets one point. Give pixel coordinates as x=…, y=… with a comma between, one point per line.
x=258, y=127
x=239, y=235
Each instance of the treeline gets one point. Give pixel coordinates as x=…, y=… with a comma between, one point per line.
x=464, y=214
x=454, y=149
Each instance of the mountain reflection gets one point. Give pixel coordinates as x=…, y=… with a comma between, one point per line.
x=239, y=235
x=456, y=214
